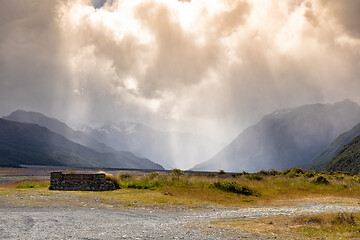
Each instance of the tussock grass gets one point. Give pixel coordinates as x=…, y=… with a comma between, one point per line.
x=230, y=189
x=238, y=189
x=320, y=226
x=235, y=187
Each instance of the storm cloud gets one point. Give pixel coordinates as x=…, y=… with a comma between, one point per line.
x=207, y=66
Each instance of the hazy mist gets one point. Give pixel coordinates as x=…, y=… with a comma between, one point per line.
x=206, y=66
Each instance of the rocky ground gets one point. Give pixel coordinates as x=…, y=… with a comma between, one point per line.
x=140, y=223
x=88, y=219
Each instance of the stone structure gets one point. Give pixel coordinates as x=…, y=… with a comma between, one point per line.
x=80, y=182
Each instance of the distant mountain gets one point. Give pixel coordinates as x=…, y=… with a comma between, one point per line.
x=58, y=127
x=171, y=150
x=319, y=162
x=31, y=144
x=286, y=138
x=347, y=159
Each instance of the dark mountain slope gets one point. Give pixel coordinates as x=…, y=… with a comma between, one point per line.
x=31, y=144
x=58, y=127
x=328, y=153
x=286, y=138
x=347, y=159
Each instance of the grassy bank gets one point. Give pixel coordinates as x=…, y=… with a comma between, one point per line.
x=223, y=189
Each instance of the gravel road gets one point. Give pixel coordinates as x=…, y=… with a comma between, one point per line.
x=139, y=223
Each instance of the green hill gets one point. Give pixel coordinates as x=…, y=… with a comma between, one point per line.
x=347, y=159
x=329, y=152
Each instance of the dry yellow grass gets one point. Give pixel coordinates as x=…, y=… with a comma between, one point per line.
x=194, y=190
x=321, y=226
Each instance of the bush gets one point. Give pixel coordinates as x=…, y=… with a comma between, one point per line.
x=345, y=218
x=298, y=171
x=321, y=180
x=310, y=174
x=153, y=175
x=234, y=187
x=176, y=173
x=221, y=172
x=211, y=175
x=125, y=176
x=271, y=172
x=254, y=177
x=356, y=179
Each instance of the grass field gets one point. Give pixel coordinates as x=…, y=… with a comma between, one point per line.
x=222, y=189
x=218, y=190
x=320, y=226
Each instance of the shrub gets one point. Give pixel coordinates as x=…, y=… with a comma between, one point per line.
x=271, y=172
x=234, y=187
x=125, y=176
x=153, y=175
x=254, y=177
x=221, y=172
x=298, y=171
x=356, y=179
x=238, y=174
x=176, y=173
x=310, y=174
x=285, y=172
x=321, y=180
x=293, y=172
x=211, y=174
x=345, y=218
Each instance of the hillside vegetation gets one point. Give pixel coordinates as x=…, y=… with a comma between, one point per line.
x=329, y=152
x=286, y=138
x=347, y=159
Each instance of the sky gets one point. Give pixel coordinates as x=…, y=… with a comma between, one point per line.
x=212, y=67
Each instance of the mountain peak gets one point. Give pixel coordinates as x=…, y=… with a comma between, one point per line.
x=346, y=102
x=286, y=138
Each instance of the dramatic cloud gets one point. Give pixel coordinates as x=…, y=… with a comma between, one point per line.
x=206, y=66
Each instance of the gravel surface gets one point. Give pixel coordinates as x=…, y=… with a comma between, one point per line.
x=139, y=223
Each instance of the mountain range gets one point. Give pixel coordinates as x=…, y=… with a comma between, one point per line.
x=59, y=127
x=32, y=144
x=286, y=138
x=311, y=136
x=170, y=149
x=165, y=148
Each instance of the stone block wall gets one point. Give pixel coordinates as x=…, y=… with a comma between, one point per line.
x=80, y=182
